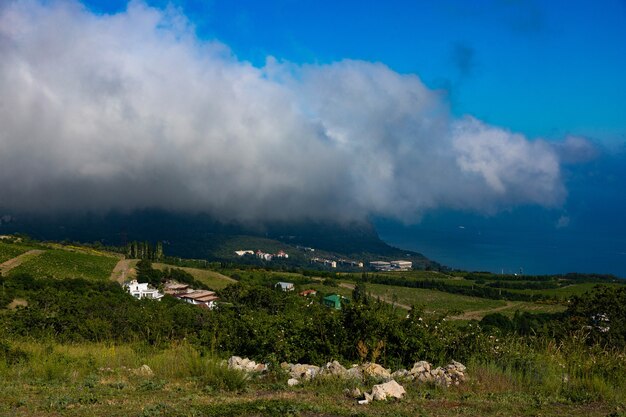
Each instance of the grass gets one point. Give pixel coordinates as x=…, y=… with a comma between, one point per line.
x=511, y=307
x=211, y=279
x=11, y=250
x=566, y=291
x=433, y=301
x=98, y=379
x=57, y=263
x=438, y=302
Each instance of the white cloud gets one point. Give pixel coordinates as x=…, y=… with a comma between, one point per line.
x=131, y=110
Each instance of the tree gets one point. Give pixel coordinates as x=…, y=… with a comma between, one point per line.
x=359, y=294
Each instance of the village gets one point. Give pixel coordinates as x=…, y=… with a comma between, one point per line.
x=208, y=299
x=205, y=298
x=398, y=265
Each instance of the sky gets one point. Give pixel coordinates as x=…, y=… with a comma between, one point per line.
x=496, y=113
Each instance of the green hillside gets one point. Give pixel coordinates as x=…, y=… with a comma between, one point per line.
x=11, y=250
x=60, y=263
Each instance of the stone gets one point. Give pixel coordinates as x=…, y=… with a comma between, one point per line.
x=306, y=372
x=245, y=364
x=144, y=370
x=292, y=382
x=458, y=366
x=390, y=389
x=333, y=368
x=420, y=367
x=400, y=374
x=373, y=370
x=234, y=361
x=425, y=377
x=354, y=373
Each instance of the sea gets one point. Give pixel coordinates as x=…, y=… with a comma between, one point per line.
x=480, y=244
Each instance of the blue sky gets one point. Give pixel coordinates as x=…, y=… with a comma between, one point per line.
x=493, y=122
x=543, y=68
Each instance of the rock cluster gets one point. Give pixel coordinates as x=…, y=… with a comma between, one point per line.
x=452, y=374
x=421, y=372
x=246, y=365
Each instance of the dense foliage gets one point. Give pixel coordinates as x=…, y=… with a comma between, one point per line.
x=265, y=323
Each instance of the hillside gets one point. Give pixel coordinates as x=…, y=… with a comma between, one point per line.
x=202, y=237
x=86, y=347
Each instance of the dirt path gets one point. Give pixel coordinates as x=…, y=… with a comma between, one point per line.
x=382, y=297
x=124, y=270
x=18, y=260
x=479, y=314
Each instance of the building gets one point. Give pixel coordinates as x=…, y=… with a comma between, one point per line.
x=265, y=256
x=244, y=252
x=202, y=298
x=381, y=265
x=401, y=265
x=334, y=301
x=327, y=262
x=285, y=286
x=143, y=290
x=282, y=254
x=174, y=288
x=307, y=293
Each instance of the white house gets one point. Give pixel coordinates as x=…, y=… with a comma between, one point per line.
x=143, y=290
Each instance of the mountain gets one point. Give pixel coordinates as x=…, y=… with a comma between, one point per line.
x=201, y=236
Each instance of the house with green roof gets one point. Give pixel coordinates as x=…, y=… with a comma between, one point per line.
x=334, y=301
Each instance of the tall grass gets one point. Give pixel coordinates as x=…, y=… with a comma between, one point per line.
x=569, y=370
x=56, y=363
x=540, y=372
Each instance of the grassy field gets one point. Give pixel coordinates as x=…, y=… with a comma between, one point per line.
x=211, y=279
x=103, y=380
x=437, y=302
x=58, y=263
x=11, y=250
x=566, y=291
x=433, y=301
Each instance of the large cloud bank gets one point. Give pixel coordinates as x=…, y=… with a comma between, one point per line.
x=132, y=110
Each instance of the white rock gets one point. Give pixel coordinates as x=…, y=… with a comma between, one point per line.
x=420, y=367
x=389, y=389
x=292, y=382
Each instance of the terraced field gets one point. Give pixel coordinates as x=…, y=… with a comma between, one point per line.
x=58, y=263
